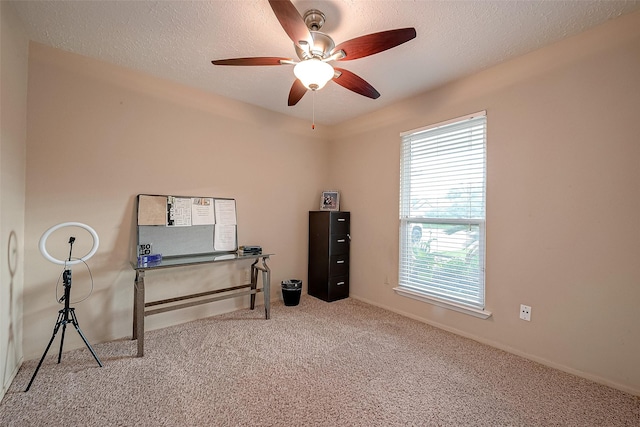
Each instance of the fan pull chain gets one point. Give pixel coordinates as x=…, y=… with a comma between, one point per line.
x=313, y=121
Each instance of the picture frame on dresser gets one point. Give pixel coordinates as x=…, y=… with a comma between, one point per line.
x=330, y=201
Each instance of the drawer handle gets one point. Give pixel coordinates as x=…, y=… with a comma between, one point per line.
x=340, y=283
x=341, y=240
x=342, y=219
x=340, y=262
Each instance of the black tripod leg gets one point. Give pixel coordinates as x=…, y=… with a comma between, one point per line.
x=55, y=331
x=74, y=319
x=64, y=329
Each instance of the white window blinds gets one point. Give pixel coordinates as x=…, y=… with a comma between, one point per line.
x=442, y=211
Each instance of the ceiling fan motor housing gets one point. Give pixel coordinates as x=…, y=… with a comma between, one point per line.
x=322, y=43
x=322, y=47
x=314, y=19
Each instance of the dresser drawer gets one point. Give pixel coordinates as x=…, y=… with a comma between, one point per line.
x=339, y=265
x=338, y=244
x=339, y=223
x=338, y=288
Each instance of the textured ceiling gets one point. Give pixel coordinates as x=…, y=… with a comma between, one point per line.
x=177, y=40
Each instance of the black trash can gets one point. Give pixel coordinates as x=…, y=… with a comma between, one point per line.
x=291, y=290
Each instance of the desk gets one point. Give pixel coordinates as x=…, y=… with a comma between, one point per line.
x=140, y=305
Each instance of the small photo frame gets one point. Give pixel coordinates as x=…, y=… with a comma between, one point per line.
x=330, y=201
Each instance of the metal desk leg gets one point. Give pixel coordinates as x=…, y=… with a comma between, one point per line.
x=138, y=311
x=266, y=288
x=134, y=334
x=254, y=282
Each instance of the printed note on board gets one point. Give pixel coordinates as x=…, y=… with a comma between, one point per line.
x=224, y=237
x=202, y=211
x=178, y=211
x=225, y=211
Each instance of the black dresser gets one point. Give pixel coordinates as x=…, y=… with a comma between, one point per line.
x=329, y=243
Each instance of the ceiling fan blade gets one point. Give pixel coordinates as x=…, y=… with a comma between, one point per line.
x=351, y=81
x=374, y=43
x=291, y=21
x=266, y=60
x=296, y=93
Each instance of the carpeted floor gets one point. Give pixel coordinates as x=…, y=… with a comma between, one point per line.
x=344, y=363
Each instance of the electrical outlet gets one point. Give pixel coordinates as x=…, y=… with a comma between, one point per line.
x=247, y=275
x=525, y=312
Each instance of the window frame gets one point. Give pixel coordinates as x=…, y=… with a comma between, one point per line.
x=431, y=293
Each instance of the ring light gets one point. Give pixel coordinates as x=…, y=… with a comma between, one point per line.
x=45, y=236
x=67, y=314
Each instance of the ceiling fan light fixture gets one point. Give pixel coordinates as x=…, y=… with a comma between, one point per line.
x=313, y=73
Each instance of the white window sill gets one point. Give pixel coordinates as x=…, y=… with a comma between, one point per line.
x=482, y=314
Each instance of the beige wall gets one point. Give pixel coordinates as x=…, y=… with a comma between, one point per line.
x=98, y=135
x=563, y=198
x=13, y=124
x=563, y=192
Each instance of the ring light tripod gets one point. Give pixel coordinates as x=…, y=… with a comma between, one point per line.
x=67, y=314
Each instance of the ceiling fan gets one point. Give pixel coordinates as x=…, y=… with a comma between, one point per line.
x=316, y=49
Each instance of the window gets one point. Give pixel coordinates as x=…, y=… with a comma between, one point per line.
x=442, y=214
